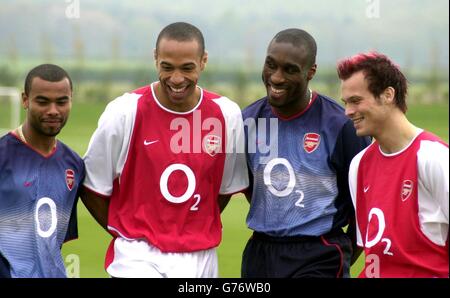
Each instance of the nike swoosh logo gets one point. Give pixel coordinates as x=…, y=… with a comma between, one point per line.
x=149, y=143
x=366, y=189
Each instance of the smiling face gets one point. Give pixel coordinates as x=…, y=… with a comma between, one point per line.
x=367, y=112
x=48, y=106
x=179, y=64
x=286, y=76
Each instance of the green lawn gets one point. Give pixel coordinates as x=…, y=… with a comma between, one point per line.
x=93, y=241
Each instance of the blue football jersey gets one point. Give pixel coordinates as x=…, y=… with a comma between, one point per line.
x=299, y=168
x=38, y=197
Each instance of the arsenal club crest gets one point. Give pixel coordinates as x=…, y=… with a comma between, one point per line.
x=407, y=189
x=70, y=179
x=311, y=142
x=212, y=144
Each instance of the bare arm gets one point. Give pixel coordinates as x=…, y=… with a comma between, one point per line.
x=97, y=206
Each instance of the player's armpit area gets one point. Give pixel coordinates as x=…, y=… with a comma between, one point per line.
x=223, y=201
x=248, y=194
x=96, y=205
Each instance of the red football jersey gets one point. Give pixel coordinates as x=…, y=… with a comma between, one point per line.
x=401, y=203
x=163, y=170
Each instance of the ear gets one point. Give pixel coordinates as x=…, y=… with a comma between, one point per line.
x=25, y=101
x=203, y=61
x=388, y=95
x=311, y=72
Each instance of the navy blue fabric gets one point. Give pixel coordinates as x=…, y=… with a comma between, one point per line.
x=313, y=198
x=37, y=207
x=327, y=256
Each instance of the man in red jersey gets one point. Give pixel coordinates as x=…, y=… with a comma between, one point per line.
x=162, y=161
x=399, y=184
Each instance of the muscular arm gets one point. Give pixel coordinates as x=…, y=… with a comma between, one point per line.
x=97, y=206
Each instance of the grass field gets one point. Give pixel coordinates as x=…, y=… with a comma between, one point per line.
x=93, y=241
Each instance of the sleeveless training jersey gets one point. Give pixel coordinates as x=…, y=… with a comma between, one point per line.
x=300, y=168
x=38, y=197
x=163, y=170
x=401, y=203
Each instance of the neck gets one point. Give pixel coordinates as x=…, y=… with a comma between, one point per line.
x=291, y=110
x=41, y=143
x=398, y=134
x=184, y=105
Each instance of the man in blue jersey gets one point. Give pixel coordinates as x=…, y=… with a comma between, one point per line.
x=39, y=180
x=299, y=148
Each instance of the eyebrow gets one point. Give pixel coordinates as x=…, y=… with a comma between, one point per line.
x=46, y=98
x=352, y=98
x=288, y=64
x=163, y=63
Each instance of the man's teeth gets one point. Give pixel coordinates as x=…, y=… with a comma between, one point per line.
x=177, y=89
x=276, y=91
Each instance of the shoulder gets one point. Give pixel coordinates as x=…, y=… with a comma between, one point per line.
x=255, y=108
x=67, y=150
x=5, y=140
x=71, y=156
x=333, y=122
x=227, y=106
x=6, y=143
x=330, y=104
x=427, y=137
x=127, y=100
x=123, y=107
x=432, y=151
x=331, y=110
x=356, y=161
x=329, y=116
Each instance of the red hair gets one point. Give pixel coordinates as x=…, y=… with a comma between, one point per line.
x=380, y=73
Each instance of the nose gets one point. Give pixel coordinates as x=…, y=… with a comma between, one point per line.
x=349, y=110
x=177, y=78
x=277, y=77
x=52, y=109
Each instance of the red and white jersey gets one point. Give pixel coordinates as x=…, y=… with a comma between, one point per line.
x=402, y=208
x=163, y=170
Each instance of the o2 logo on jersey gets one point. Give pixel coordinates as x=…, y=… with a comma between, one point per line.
x=48, y=215
x=70, y=179
x=290, y=183
x=163, y=185
x=407, y=189
x=311, y=142
x=212, y=144
x=372, y=270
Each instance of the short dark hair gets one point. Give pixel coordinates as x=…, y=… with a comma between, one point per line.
x=299, y=38
x=181, y=31
x=380, y=73
x=47, y=72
